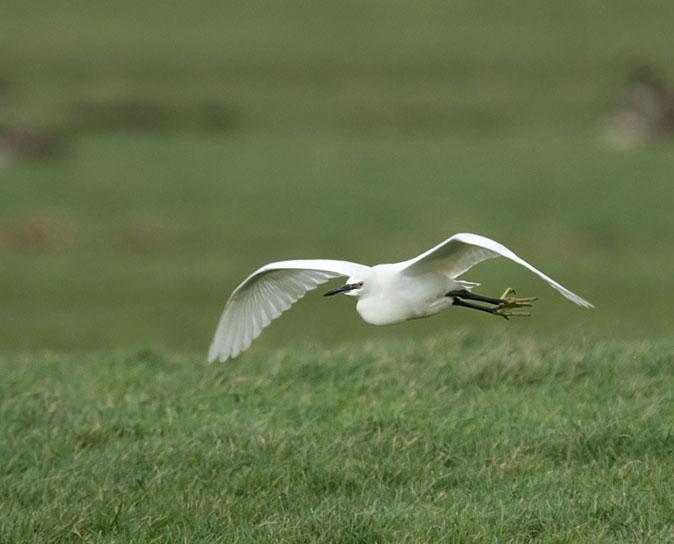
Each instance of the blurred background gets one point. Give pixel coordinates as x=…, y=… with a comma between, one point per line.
x=154, y=154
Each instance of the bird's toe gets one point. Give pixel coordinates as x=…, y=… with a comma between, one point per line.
x=506, y=313
x=508, y=301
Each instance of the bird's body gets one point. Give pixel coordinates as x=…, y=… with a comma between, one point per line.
x=387, y=293
x=391, y=297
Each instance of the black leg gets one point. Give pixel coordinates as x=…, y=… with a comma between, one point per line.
x=464, y=293
x=459, y=302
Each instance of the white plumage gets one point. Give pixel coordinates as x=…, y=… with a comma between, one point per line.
x=387, y=293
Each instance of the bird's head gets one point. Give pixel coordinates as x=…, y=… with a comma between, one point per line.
x=353, y=287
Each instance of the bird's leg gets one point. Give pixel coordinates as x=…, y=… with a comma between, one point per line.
x=502, y=305
x=464, y=293
x=495, y=310
x=459, y=302
x=505, y=301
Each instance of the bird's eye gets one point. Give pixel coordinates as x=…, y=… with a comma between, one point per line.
x=360, y=284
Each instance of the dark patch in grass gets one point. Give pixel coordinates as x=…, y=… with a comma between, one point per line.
x=42, y=232
x=129, y=113
x=39, y=232
x=32, y=144
x=121, y=113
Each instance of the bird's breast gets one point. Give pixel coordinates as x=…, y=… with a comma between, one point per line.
x=403, y=299
x=380, y=313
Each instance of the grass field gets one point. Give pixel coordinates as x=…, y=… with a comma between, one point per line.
x=463, y=438
x=198, y=142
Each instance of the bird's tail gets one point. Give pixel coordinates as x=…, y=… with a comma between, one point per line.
x=468, y=285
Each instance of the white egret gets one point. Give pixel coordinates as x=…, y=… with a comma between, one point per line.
x=387, y=293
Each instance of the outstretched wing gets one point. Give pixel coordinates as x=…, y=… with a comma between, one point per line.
x=462, y=251
x=265, y=294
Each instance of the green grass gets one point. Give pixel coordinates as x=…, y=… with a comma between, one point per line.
x=464, y=437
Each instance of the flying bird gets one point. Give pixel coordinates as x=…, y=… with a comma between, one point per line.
x=386, y=293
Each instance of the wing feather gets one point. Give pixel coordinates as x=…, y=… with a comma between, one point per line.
x=461, y=252
x=265, y=295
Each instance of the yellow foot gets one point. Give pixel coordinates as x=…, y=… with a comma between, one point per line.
x=508, y=301
x=506, y=313
x=509, y=291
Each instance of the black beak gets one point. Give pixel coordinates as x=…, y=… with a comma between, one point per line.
x=342, y=289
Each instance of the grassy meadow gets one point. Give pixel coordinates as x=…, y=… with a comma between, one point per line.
x=457, y=439
x=194, y=143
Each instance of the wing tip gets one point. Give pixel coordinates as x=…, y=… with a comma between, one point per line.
x=216, y=354
x=219, y=357
x=578, y=300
